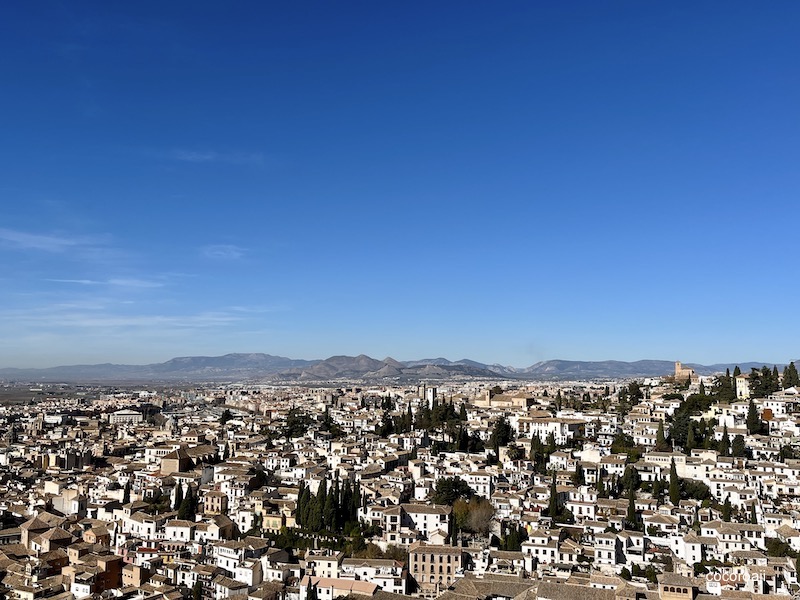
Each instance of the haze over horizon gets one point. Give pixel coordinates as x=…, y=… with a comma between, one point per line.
x=588, y=181
x=780, y=364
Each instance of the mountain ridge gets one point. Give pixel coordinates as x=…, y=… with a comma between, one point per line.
x=267, y=367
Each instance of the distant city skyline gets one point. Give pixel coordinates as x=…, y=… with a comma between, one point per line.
x=584, y=182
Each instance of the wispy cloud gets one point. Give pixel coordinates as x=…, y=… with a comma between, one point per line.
x=211, y=156
x=36, y=241
x=254, y=310
x=135, y=283
x=59, y=318
x=119, y=282
x=223, y=251
x=76, y=281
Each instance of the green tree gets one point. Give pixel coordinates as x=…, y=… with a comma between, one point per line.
x=724, y=388
x=450, y=489
x=311, y=591
x=763, y=382
x=754, y=423
x=674, y=484
x=623, y=444
x=661, y=440
x=691, y=444
x=578, y=477
x=297, y=423
x=694, y=489
x=512, y=540
x=631, y=480
x=178, y=496
x=502, y=433
x=651, y=574
x=553, y=506
x=550, y=446
x=726, y=509
x=679, y=429
x=197, y=590
x=386, y=428
x=738, y=447
x=599, y=486
x=790, y=377
x=126, y=492
x=632, y=517
x=515, y=453
x=302, y=498
x=188, y=508
x=226, y=416
x=329, y=512
x=635, y=392
x=659, y=487
x=724, y=447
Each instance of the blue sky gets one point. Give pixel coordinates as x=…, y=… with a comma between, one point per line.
x=506, y=182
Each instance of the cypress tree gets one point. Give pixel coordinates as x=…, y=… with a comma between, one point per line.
x=356, y=502
x=725, y=444
x=311, y=591
x=314, y=521
x=753, y=418
x=578, y=477
x=126, y=492
x=691, y=444
x=346, y=503
x=674, y=484
x=553, y=505
x=178, y=496
x=738, y=447
x=188, y=508
x=631, y=478
x=726, y=509
x=661, y=440
x=322, y=495
x=632, y=518
x=298, y=513
x=308, y=501
x=551, y=443
x=329, y=513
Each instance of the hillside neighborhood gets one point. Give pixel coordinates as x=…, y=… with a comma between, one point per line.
x=671, y=488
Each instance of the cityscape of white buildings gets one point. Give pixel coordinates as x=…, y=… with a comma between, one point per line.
x=663, y=489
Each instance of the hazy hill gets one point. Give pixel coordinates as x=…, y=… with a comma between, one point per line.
x=185, y=368
x=257, y=366
x=364, y=367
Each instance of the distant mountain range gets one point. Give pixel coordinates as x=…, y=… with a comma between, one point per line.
x=240, y=367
